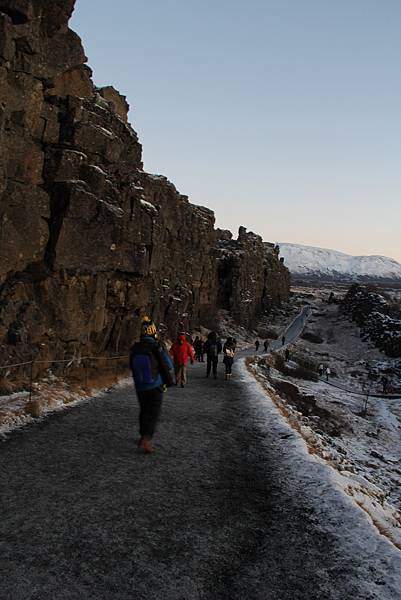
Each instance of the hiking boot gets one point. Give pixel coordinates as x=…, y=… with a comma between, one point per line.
x=147, y=445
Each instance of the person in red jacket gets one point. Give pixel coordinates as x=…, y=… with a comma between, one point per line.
x=181, y=351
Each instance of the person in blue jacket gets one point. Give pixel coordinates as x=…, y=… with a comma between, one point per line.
x=151, y=369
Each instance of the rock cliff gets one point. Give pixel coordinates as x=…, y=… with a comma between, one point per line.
x=378, y=319
x=252, y=278
x=88, y=240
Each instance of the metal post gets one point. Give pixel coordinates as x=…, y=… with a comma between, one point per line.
x=30, y=379
x=86, y=374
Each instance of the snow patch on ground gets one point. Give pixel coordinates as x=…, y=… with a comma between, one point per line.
x=357, y=436
x=342, y=493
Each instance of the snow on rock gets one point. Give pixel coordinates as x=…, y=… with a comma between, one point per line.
x=148, y=206
x=321, y=262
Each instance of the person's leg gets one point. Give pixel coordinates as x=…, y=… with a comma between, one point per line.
x=143, y=417
x=208, y=366
x=184, y=375
x=215, y=360
x=155, y=405
x=150, y=405
x=177, y=373
x=181, y=376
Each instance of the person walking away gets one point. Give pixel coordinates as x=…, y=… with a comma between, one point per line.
x=212, y=350
x=151, y=371
x=229, y=352
x=287, y=355
x=283, y=340
x=320, y=370
x=181, y=351
x=198, y=348
x=384, y=382
x=202, y=351
x=257, y=344
x=266, y=345
x=328, y=373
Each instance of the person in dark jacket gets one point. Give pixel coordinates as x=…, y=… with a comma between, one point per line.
x=266, y=345
x=229, y=351
x=257, y=344
x=198, y=347
x=212, y=349
x=151, y=370
x=202, y=351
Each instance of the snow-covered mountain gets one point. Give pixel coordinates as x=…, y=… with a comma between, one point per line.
x=307, y=262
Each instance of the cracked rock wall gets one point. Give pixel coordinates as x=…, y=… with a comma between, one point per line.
x=88, y=240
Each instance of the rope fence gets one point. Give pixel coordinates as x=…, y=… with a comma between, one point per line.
x=81, y=361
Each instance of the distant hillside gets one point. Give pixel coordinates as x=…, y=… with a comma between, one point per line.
x=309, y=263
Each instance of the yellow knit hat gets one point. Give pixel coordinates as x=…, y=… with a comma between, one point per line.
x=148, y=328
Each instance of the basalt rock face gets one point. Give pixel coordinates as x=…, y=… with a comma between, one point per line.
x=89, y=242
x=252, y=278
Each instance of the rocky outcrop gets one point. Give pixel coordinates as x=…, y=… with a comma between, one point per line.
x=252, y=278
x=88, y=240
x=372, y=312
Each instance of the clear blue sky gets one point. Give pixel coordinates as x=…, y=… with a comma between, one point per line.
x=281, y=115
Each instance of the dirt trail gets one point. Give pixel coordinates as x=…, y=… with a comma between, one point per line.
x=216, y=512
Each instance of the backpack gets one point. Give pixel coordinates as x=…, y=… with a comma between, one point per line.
x=145, y=369
x=212, y=352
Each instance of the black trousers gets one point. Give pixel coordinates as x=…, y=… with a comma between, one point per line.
x=229, y=363
x=211, y=364
x=150, y=403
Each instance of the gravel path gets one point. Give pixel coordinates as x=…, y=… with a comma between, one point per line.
x=214, y=513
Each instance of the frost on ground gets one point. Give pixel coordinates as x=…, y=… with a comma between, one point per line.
x=48, y=395
x=359, y=437
x=328, y=488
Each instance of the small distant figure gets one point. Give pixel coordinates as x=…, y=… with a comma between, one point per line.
x=266, y=345
x=384, y=382
x=320, y=370
x=181, y=351
x=229, y=352
x=331, y=299
x=212, y=349
x=287, y=355
x=202, y=350
x=328, y=373
x=198, y=348
x=283, y=340
x=257, y=344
